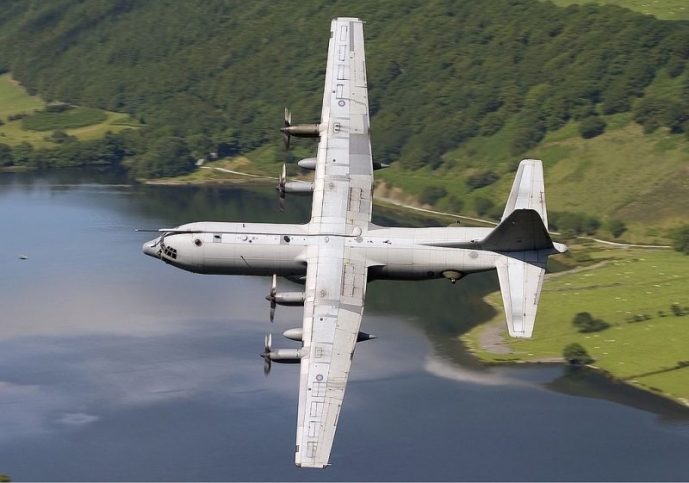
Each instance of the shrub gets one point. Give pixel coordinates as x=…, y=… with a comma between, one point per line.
x=483, y=205
x=431, y=194
x=481, y=179
x=591, y=127
x=616, y=227
x=680, y=239
x=584, y=322
x=576, y=355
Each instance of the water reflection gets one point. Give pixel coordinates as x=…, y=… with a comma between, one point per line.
x=115, y=367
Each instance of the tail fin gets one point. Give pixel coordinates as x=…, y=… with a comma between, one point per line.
x=522, y=239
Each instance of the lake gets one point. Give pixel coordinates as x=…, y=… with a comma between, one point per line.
x=114, y=366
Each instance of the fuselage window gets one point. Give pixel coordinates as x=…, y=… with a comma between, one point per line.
x=286, y=238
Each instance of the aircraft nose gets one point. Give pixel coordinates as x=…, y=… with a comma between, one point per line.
x=151, y=248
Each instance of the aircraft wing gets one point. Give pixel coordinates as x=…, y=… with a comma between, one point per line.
x=344, y=171
x=333, y=307
x=335, y=278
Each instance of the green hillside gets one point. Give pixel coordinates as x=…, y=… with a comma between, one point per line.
x=460, y=90
x=663, y=9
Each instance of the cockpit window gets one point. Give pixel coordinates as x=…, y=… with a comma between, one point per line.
x=170, y=252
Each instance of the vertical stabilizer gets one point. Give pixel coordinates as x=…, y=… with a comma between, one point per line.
x=524, y=243
x=528, y=192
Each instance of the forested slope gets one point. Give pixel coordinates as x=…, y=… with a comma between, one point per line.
x=442, y=74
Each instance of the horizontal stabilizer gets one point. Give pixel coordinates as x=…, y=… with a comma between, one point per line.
x=520, y=285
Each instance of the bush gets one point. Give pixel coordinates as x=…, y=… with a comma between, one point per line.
x=431, y=194
x=616, y=227
x=584, y=322
x=573, y=224
x=591, y=127
x=454, y=204
x=481, y=179
x=576, y=355
x=483, y=205
x=680, y=239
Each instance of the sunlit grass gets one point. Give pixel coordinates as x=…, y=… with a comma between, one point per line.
x=662, y=9
x=630, y=283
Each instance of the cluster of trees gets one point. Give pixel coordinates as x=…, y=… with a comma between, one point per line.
x=440, y=73
x=576, y=355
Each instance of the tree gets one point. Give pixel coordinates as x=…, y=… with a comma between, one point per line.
x=616, y=227
x=431, y=194
x=483, y=205
x=680, y=239
x=169, y=156
x=5, y=155
x=576, y=355
x=591, y=127
x=481, y=179
x=584, y=322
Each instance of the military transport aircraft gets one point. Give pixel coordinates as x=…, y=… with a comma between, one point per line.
x=340, y=250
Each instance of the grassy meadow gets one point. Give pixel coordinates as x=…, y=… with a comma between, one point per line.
x=632, y=290
x=82, y=122
x=662, y=9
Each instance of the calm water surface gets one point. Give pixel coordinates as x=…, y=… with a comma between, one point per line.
x=116, y=367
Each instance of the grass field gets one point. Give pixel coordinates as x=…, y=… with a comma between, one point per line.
x=663, y=9
x=84, y=123
x=621, y=285
x=73, y=118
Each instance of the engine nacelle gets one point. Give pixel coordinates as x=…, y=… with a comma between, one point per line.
x=298, y=334
x=290, y=299
x=302, y=130
x=298, y=187
x=285, y=356
x=308, y=163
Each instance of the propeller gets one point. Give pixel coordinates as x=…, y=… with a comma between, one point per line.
x=287, y=123
x=271, y=297
x=282, y=180
x=267, y=345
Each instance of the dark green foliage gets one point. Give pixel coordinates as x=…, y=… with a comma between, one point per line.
x=576, y=355
x=591, y=127
x=63, y=119
x=455, y=204
x=109, y=150
x=677, y=310
x=584, y=322
x=483, y=205
x=680, y=239
x=573, y=224
x=616, y=227
x=59, y=136
x=481, y=179
x=653, y=112
x=168, y=156
x=439, y=73
x=4, y=478
x=431, y=194
x=5, y=155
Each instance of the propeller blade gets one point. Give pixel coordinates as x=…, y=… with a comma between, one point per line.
x=271, y=296
x=266, y=365
x=281, y=186
x=287, y=122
